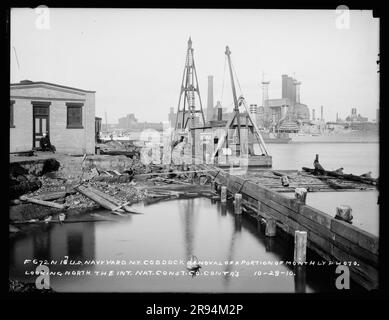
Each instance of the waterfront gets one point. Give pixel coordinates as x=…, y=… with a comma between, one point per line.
x=179, y=228
x=168, y=231
x=355, y=158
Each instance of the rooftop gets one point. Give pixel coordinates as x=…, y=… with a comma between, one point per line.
x=26, y=83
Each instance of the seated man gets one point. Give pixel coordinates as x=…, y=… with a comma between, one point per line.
x=45, y=143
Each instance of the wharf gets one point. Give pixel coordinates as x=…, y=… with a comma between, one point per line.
x=332, y=239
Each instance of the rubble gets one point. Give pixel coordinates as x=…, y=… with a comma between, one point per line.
x=85, y=184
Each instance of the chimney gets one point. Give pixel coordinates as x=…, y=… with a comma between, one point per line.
x=291, y=90
x=297, y=90
x=321, y=113
x=265, y=93
x=210, y=98
x=219, y=111
x=313, y=114
x=284, y=86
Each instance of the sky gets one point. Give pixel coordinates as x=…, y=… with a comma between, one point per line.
x=134, y=58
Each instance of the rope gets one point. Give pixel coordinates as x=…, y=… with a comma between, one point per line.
x=237, y=79
x=216, y=176
x=241, y=186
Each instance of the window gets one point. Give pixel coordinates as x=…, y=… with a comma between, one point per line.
x=74, y=115
x=11, y=114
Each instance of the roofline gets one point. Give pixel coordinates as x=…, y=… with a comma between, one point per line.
x=50, y=84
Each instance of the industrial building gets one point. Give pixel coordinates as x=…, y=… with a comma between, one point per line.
x=287, y=112
x=130, y=122
x=66, y=114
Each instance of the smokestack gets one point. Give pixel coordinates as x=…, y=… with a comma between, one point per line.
x=291, y=90
x=297, y=89
x=219, y=111
x=265, y=93
x=210, y=98
x=337, y=117
x=313, y=114
x=321, y=113
x=284, y=86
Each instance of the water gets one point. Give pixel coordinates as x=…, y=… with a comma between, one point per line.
x=172, y=230
x=355, y=158
x=365, y=209
x=176, y=229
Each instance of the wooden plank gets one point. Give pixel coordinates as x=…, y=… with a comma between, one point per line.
x=316, y=215
x=110, y=199
x=43, y=203
x=96, y=198
x=360, y=237
x=48, y=196
x=365, y=270
x=357, y=251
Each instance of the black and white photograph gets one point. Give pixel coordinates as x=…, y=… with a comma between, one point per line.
x=200, y=151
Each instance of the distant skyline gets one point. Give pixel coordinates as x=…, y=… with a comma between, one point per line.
x=134, y=58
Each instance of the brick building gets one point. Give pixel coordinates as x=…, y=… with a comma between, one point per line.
x=66, y=114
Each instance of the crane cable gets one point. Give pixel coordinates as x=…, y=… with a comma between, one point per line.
x=237, y=79
x=224, y=78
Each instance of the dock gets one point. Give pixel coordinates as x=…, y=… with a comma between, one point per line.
x=332, y=239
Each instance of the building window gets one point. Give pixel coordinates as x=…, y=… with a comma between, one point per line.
x=11, y=114
x=74, y=115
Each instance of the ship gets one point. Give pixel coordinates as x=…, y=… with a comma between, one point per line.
x=279, y=137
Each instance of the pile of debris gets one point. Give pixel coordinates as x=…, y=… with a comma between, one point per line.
x=115, y=183
x=24, y=176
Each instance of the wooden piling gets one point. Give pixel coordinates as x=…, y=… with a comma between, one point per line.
x=271, y=227
x=238, y=203
x=344, y=213
x=223, y=194
x=300, y=246
x=301, y=195
x=285, y=181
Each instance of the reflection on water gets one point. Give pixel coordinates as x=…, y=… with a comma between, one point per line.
x=169, y=231
x=51, y=242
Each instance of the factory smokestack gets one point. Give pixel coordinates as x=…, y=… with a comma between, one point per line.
x=219, y=111
x=265, y=93
x=313, y=115
x=321, y=113
x=285, y=86
x=297, y=89
x=210, y=99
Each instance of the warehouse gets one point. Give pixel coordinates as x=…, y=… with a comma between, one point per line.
x=66, y=114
